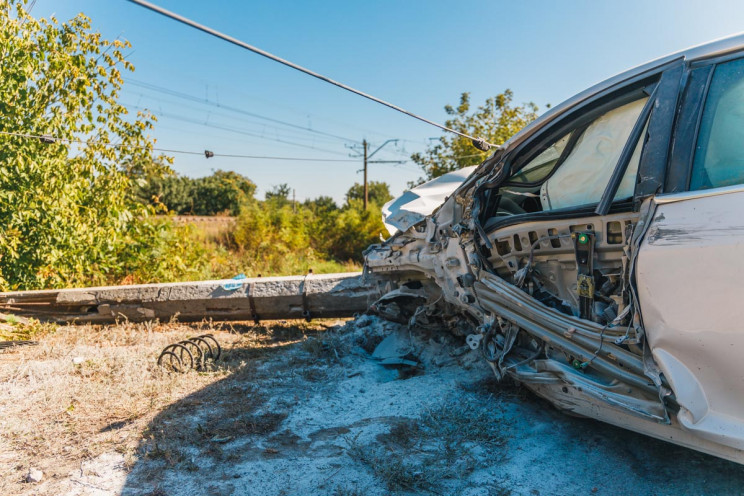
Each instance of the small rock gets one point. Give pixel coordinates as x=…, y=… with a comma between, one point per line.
x=34, y=475
x=78, y=360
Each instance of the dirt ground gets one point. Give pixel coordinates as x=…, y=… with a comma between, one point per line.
x=304, y=409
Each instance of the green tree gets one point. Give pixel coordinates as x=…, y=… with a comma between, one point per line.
x=353, y=231
x=279, y=193
x=174, y=192
x=67, y=215
x=221, y=192
x=496, y=121
x=321, y=205
x=377, y=191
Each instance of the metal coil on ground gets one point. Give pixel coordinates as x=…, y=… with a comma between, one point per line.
x=191, y=354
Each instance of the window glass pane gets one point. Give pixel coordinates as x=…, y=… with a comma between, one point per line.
x=541, y=166
x=575, y=169
x=582, y=177
x=719, y=156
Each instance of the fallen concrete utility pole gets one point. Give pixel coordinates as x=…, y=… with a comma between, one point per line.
x=265, y=298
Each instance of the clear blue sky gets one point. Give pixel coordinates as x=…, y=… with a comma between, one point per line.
x=419, y=55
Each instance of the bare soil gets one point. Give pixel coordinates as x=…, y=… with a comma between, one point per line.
x=303, y=409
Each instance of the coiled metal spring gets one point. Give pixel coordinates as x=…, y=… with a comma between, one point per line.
x=191, y=354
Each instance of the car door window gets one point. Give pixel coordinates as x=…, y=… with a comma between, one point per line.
x=574, y=169
x=582, y=177
x=719, y=154
x=541, y=166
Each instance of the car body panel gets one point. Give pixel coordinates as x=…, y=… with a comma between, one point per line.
x=690, y=274
x=415, y=204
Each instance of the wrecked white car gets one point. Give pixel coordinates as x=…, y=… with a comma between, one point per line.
x=596, y=258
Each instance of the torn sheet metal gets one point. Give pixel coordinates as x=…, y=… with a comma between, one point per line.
x=414, y=205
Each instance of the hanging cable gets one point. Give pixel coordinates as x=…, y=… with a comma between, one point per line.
x=46, y=138
x=49, y=139
x=479, y=143
x=204, y=101
x=232, y=130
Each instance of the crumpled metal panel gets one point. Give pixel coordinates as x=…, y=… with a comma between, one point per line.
x=414, y=205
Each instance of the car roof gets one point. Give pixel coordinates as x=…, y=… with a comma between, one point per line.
x=707, y=50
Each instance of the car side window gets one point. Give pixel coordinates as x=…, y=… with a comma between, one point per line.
x=582, y=177
x=574, y=170
x=719, y=152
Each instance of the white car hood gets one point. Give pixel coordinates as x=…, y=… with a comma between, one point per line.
x=414, y=205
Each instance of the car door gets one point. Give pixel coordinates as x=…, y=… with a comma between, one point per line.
x=690, y=265
x=584, y=174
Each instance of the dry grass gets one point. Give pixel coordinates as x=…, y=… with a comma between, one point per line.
x=86, y=390
x=214, y=228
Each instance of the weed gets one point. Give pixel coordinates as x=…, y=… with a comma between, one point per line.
x=314, y=374
x=328, y=345
x=392, y=469
x=24, y=329
x=116, y=394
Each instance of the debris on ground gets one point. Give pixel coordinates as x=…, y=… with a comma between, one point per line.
x=34, y=475
x=307, y=409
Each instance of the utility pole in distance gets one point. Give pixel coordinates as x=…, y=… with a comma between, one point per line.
x=367, y=156
x=366, y=187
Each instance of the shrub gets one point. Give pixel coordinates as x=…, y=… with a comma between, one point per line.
x=67, y=215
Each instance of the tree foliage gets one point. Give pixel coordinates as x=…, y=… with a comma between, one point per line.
x=222, y=192
x=67, y=215
x=279, y=193
x=71, y=205
x=377, y=191
x=496, y=121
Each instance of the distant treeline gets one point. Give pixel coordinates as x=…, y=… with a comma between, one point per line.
x=226, y=192
x=276, y=234
x=220, y=193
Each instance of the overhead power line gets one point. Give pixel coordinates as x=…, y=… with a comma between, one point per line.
x=232, y=130
x=186, y=96
x=479, y=143
x=46, y=138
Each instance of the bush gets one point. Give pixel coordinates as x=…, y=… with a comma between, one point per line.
x=279, y=237
x=67, y=214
